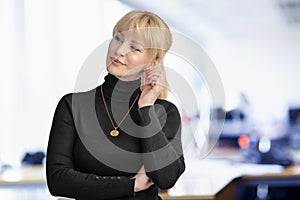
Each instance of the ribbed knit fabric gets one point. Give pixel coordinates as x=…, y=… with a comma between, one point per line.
x=76, y=172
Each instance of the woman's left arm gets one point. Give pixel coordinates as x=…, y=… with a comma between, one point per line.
x=161, y=143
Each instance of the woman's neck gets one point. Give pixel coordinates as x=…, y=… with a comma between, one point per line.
x=119, y=89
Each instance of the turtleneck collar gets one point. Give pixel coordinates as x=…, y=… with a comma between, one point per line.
x=119, y=90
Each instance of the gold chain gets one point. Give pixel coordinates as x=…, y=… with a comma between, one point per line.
x=115, y=132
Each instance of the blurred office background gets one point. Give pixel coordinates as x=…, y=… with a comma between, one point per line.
x=254, y=45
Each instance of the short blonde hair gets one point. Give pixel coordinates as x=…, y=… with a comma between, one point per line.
x=154, y=30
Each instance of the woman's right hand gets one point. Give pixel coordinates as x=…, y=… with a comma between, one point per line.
x=142, y=181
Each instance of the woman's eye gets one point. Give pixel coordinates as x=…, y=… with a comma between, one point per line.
x=118, y=38
x=134, y=48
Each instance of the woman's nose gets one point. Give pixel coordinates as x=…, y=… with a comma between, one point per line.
x=122, y=49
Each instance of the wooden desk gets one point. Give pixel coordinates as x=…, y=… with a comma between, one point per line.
x=24, y=183
x=24, y=175
x=284, y=185
x=236, y=188
x=207, y=184
x=228, y=192
x=166, y=196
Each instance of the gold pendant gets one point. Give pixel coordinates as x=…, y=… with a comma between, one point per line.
x=114, y=133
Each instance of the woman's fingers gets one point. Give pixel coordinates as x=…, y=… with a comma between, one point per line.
x=142, y=181
x=154, y=75
x=155, y=81
x=142, y=169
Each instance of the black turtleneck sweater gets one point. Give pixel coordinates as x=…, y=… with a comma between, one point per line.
x=85, y=162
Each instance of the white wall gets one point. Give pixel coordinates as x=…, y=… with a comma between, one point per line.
x=252, y=44
x=43, y=45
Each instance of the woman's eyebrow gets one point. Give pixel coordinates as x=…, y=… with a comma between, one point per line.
x=120, y=34
x=138, y=42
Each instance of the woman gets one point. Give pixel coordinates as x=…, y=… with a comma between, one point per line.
x=132, y=114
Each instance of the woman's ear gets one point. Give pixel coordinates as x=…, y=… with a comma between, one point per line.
x=156, y=62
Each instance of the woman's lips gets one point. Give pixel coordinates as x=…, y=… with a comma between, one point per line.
x=116, y=62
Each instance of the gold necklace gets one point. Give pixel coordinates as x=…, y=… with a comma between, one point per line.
x=115, y=132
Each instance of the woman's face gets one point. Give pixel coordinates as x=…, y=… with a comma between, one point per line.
x=127, y=56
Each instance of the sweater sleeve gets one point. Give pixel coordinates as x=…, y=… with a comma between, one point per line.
x=161, y=144
x=62, y=178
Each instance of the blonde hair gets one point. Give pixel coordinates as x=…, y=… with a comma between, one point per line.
x=154, y=30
